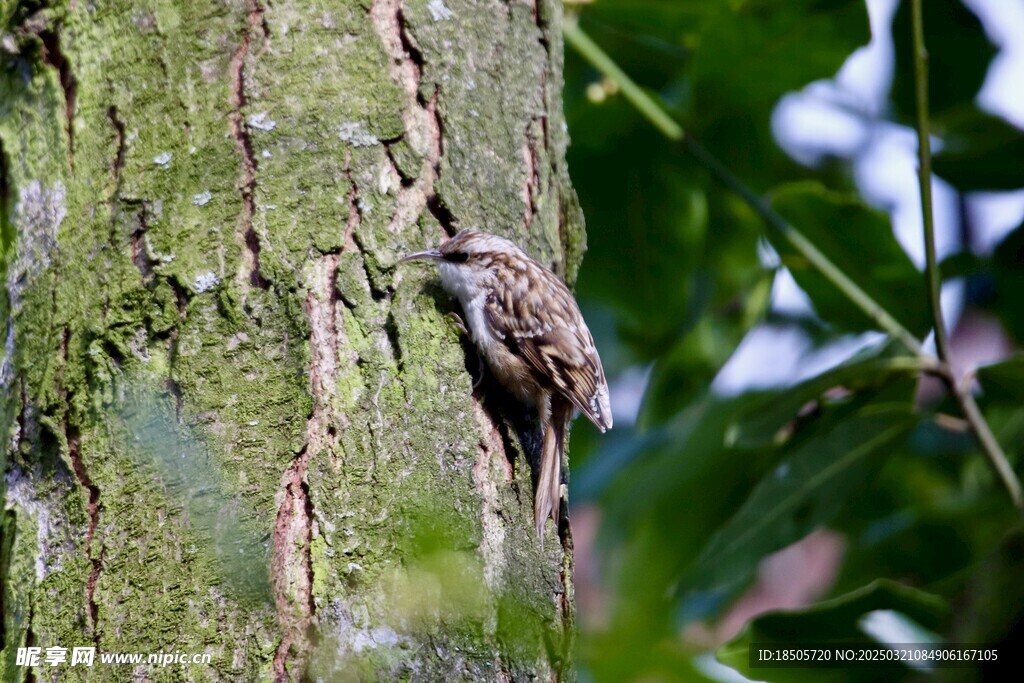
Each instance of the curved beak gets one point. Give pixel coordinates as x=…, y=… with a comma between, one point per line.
x=429, y=255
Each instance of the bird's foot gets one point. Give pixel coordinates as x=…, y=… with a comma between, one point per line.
x=456, y=320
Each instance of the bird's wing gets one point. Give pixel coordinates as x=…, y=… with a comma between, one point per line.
x=544, y=327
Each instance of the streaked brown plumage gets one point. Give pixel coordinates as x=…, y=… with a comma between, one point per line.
x=528, y=327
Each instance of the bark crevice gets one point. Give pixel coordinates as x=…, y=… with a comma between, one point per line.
x=7, y=240
x=5, y=193
x=30, y=641
x=117, y=165
x=531, y=182
x=355, y=215
x=292, y=567
x=250, y=242
x=422, y=118
x=292, y=564
x=140, y=251
x=74, y=451
x=531, y=149
x=54, y=57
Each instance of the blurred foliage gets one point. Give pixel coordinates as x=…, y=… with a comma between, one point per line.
x=704, y=486
x=147, y=427
x=888, y=276
x=980, y=152
x=1008, y=281
x=840, y=619
x=959, y=53
x=826, y=464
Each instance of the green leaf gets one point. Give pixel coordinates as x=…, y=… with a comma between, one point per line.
x=994, y=607
x=760, y=424
x=832, y=620
x=980, y=152
x=860, y=242
x=1004, y=381
x=959, y=53
x=655, y=220
x=964, y=264
x=748, y=55
x=691, y=363
x=1008, y=274
x=805, y=491
x=1003, y=403
x=661, y=494
x=661, y=465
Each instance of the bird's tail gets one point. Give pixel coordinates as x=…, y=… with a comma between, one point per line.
x=548, y=500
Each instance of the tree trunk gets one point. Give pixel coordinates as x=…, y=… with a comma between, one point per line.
x=231, y=424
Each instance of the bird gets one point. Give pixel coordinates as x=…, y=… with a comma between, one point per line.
x=528, y=327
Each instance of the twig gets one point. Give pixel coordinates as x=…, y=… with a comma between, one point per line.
x=600, y=60
x=941, y=367
x=961, y=391
x=924, y=174
x=646, y=105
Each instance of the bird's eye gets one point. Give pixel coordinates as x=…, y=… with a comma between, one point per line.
x=456, y=256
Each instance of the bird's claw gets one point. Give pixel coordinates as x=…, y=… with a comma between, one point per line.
x=456, y=320
x=479, y=375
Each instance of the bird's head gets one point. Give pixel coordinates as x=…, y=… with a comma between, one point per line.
x=470, y=256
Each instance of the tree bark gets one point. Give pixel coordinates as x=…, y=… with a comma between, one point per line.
x=231, y=424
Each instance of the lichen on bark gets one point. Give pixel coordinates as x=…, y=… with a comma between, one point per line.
x=213, y=355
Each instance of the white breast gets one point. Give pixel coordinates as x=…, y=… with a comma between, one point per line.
x=471, y=298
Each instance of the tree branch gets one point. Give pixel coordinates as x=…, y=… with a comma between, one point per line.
x=654, y=113
x=651, y=110
x=924, y=174
x=972, y=412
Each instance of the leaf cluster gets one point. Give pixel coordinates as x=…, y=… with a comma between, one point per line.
x=705, y=486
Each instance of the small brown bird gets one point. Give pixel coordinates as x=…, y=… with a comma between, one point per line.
x=528, y=327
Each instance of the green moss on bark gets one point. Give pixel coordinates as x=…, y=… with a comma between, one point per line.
x=221, y=287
